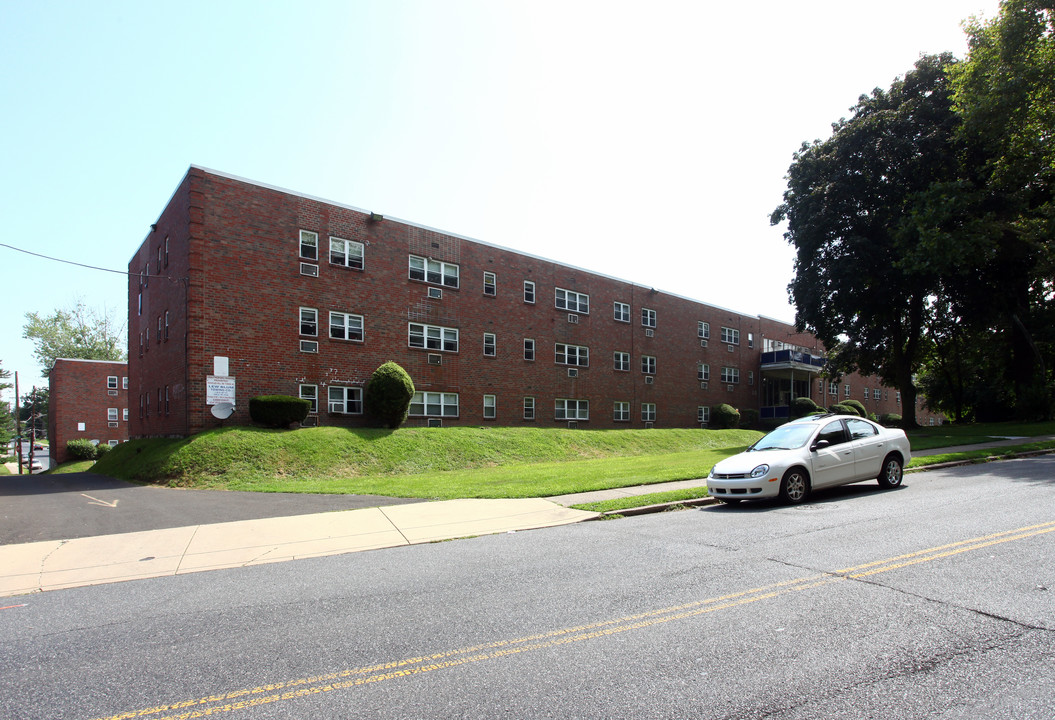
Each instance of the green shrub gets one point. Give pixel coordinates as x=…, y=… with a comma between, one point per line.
x=278, y=411
x=101, y=449
x=749, y=418
x=725, y=417
x=890, y=420
x=844, y=408
x=80, y=449
x=388, y=395
x=857, y=405
x=803, y=406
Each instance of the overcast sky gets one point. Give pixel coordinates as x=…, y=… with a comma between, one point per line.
x=647, y=141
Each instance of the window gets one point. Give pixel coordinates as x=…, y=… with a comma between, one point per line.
x=648, y=412
x=703, y=372
x=111, y=414
x=565, y=409
x=139, y=306
x=622, y=361
x=166, y=399
x=750, y=377
x=866, y=393
x=832, y=432
x=434, y=404
x=703, y=329
x=622, y=312
x=309, y=245
x=433, y=337
x=648, y=318
x=833, y=388
x=846, y=390
x=309, y=321
x=166, y=325
x=529, y=408
x=572, y=301
x=750, y=340
x=124, y=414
x=347, y=253
x=703, y=414
x=860, y=429
x=433, y=271
x=140, y=344
x=111, y=382
x=489, y=344
x=529, y=349
x=572, y=355
x=166, y=252
x=529, y=292
x=875, y=394
x=112, y=443
x=730, y=336
x=159, y=258
x=621, y=411
x=345, y=400
x=489, y=407
x=159, y=330
x=897, y=397
x=490, y=284
x=311, y=394
x=344, y=326
x=648, y=364
x=146, y=404
x=730, y=375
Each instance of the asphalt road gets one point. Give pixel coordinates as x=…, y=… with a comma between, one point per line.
x=62, y=507
x=931, y=601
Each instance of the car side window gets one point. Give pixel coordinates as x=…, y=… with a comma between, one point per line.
x=832, y=432
x=860, y=429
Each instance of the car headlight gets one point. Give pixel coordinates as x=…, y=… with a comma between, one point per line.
x=711, y=472
x=759, y=471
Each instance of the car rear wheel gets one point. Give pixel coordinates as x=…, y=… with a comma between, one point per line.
x=892, y=472
x=795, y=487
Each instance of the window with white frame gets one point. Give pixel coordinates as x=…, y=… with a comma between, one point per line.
x=433, y=337
x=124, y=414
x=111, y=382
x=648, y=318
x=166, y=399
x=750, y=340
x=571, y=301
x=622, y=312
x=529, y=348
x=433, y=271
x=703, y=372
x=648, y=412
x=875, y=394
x=113, y=443
x=568, y=409
x=111, y=414
x=490, y=407
x=159, y=329
x=347, y=253
x=529, y=408
x=730, y=336
x=897, y=397
x=345, y=400
x=846, y=390
x=833, y=388
x=648, y=364
x=529, y=292
x=703, y=414
x=434, y=404
x=622, y=361
x=166, y=325
x=345, y=326
x=490, y=284
x=866, y=393
x=621, y=411
x=489, y=344
x=750, y=377
x=309, y=245
x=309, y=321
x=730, y=375
x=572, y=354
x=703, y=329
x=311, y=394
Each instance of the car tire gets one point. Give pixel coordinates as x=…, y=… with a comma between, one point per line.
x=891, y=474
x=795, y=486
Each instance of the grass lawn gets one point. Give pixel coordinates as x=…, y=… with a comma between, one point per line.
x=928, y=438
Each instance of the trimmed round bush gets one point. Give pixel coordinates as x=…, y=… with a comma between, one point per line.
x=749, y=418
x=803, y=406
x=388, y=395
x=890, y=420
x=844, y=409
x=278, y=411
x=101, y=449
x=857, y=405
x=725, y=417
x=80, y=449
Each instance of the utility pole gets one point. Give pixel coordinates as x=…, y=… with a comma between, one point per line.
x=32, y=429
x=18, y=427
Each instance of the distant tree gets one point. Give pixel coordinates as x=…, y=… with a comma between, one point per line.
x=861, y=284
x=37, y=399
x=388, y=395
x=78, y=332
x=7, y=422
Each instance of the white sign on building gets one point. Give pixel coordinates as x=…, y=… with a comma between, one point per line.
x=219, y=389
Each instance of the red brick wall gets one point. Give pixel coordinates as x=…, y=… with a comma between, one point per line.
x=237, y=243
x=78, y=393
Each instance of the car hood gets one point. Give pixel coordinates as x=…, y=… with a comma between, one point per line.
x=745, y=462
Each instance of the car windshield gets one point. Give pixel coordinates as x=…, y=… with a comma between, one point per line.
x=785, y=437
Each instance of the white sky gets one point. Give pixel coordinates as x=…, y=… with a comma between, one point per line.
x=647, y=141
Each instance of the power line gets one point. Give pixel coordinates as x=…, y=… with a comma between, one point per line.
x=90, y=267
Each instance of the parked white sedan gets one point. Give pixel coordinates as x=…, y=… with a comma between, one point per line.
x=812, y=453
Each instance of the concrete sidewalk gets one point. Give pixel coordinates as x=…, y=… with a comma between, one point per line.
x=55, y=564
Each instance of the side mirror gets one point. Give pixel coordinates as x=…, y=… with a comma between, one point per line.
x=819, y=445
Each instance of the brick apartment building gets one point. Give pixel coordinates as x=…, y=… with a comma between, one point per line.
x=87, y=399
x=283, y=293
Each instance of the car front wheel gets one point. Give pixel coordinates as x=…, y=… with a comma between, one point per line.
x=795, y=487
x=891, y=474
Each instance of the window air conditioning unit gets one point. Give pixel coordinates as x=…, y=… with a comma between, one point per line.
x=111, y=424
x=648, y=426
x=573, y=318
x=573, y=372
x=649, y=379
x=649, y=332
x=731, y=348
x=731, y=387
x=703, y=426
x=309, y=269
x=112, y=392
x=703, y=343
x=572, y=425
x=435, y=422
x=436, y=293
x=435, y=359
x=309, y=346
x=703, y=385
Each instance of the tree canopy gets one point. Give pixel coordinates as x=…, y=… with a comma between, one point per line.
x=78, y=332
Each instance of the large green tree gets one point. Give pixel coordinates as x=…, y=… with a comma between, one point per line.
x=7, y=422
x=860, y=283
x=77, y=332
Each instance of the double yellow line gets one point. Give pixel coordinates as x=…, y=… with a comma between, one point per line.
x=345, y=679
